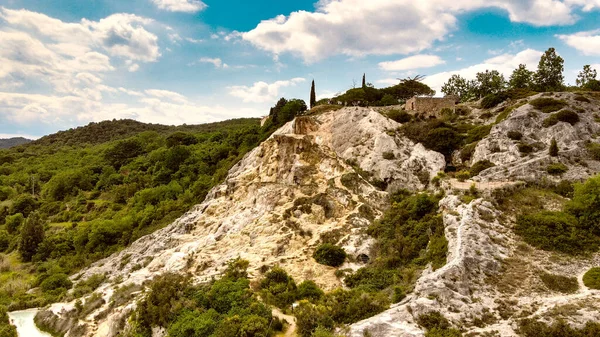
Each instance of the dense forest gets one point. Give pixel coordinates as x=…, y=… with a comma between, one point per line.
x=72, y=198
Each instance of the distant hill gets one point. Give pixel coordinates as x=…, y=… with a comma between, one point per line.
x=101, y=132
x=10, y=142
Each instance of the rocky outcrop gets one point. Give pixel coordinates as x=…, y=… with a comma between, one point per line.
x=309, y=182
x=511, y=163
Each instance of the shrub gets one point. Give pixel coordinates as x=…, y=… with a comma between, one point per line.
x=547, y=104
x=568, y=116
x=591, y=278
x=278, y=288
x=399, y=116
x=559, y=283
x=553, y=150
x=309, y=290
x=594, y=150
x=330, y=255
x=514, y=135
x=583, y=99
x=463, y=175
x=480, y=166
x=56, y=281
x=467, y=152
x=525, y=148
x=550, y=121
x=433, y=319
x=478, y=133
x=557, y=169
x=564, y=188
x=555, y=231
x=530, y=328
x=388, y=155
x=493, y=100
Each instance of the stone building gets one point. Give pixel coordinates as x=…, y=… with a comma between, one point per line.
x=430, y=106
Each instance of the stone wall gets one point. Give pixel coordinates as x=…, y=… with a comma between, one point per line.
x=430, y=106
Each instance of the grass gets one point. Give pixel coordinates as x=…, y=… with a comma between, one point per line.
x=320, y=109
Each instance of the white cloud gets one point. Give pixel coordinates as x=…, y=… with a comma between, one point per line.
x=122, y=35
x=131, y=92
x=166, y=94
x=15, y=135
x=262, y=92
x=413, y=62
x=385, y=27
x=188, y=6
x=189, y=39
x=217, y=62
x=133, y=68
x=586, y=42
x=505, y=64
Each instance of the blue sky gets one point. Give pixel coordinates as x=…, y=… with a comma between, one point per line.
x=66, y=63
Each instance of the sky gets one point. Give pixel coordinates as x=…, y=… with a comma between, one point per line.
x=66, y=63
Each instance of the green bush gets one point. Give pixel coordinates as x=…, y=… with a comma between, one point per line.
x=330, y=255
x=555, y=231
x=557, y=169
x=594, y=150
x=591, y=278
x=559, y=283
x=56, y=281
x=433, y=319
x=514, y=135
x=480, y=166
x=531, y=328
x=583, y=99
x=389, y=155
x=568, y=116
x=399, y=116
x=467, y=152
x=463, y=175
x=493, y=100
x=525, y=148
x=309, y=290
x=478, y=133
x=6, y=329
x=547, y=104
x=550, y=121
x=278, y=288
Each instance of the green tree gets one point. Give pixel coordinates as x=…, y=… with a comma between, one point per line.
x=32, y=234
x=123, y=152
x=313, y=95
x=586, y=75
x=490, y=82
x=364, y=81
x=549, y=76
x=13, y=222
x=553, y=151
x=521, y=78
x=459, y=87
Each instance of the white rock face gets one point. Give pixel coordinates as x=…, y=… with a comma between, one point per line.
x=477, y=281
x=571, y=140
x=274, y=206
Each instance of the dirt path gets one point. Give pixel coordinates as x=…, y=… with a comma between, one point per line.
x=291, y=330
x=491, y=185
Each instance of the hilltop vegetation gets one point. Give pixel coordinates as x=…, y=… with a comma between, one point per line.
x=10, y=142
x=69, y=199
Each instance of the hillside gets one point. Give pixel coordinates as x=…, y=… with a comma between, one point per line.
x=11, y=142
x=473, y=251
x=83, y=194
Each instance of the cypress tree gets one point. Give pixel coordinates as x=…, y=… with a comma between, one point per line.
x=553, y=148
x=32, y=234
x=364, y=82
x=313, y=95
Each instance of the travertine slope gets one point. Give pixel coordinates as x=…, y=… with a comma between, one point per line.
x=274, y=207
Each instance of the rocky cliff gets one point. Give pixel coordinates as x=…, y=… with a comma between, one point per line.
x=326, y=177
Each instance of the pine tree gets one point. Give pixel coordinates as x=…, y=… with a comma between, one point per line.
x=521, y=78
x=364, y=82
x=549, y=76
x=553, y=148
x=32, y=234
x=313, y=95
x=584, y=77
